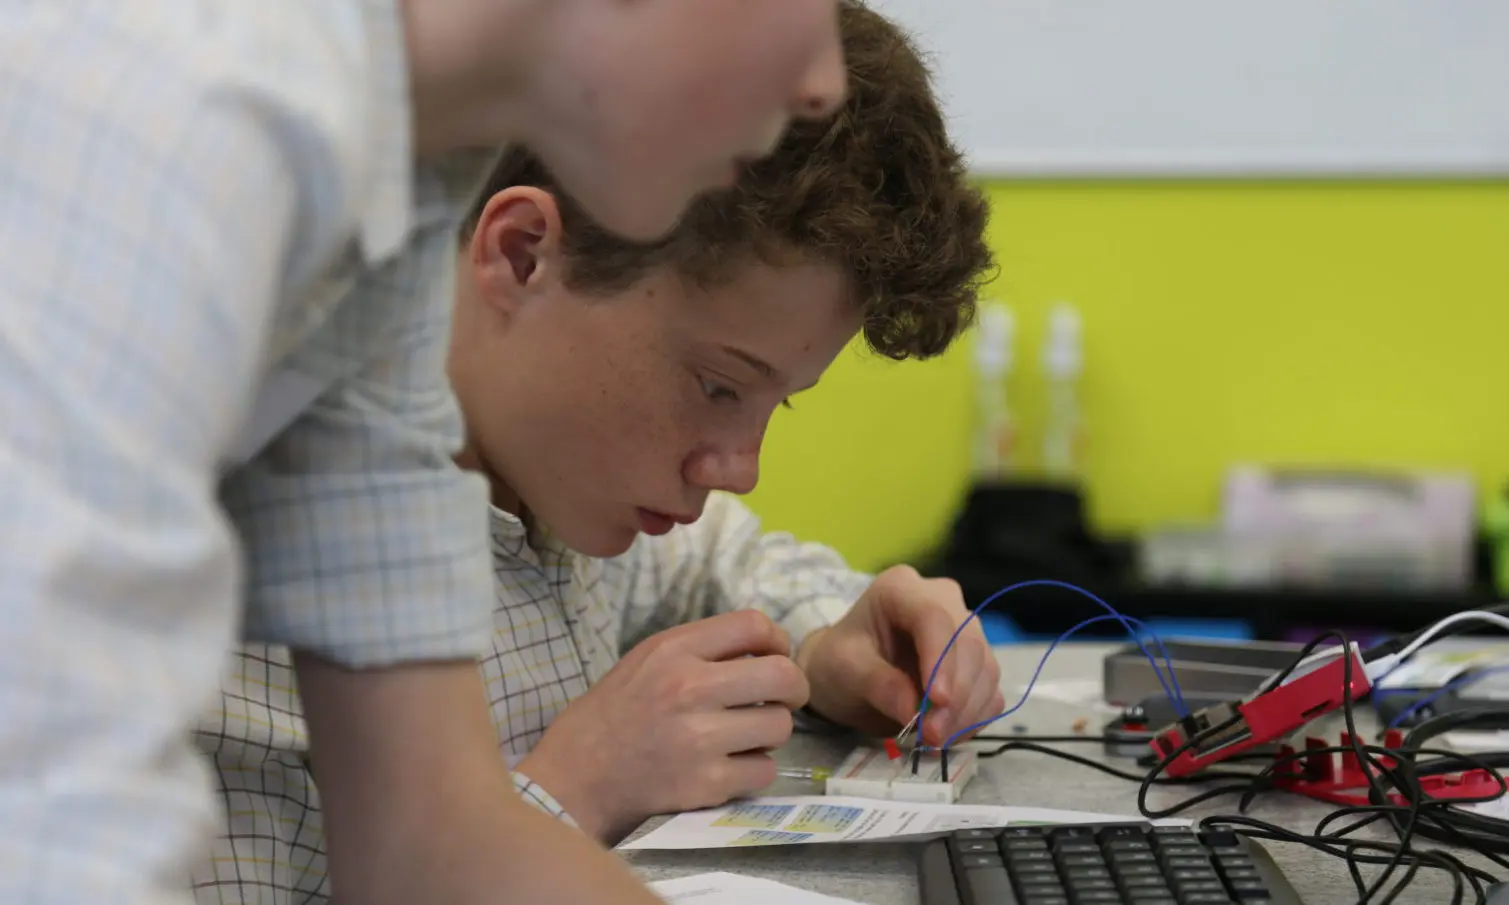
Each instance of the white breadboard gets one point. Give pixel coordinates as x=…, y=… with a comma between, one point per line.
x=869, y=773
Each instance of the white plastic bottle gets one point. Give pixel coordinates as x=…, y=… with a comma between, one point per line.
x=1063, y=360
x=995, y=428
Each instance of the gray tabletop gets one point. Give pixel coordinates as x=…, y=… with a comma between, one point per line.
x=885, y=874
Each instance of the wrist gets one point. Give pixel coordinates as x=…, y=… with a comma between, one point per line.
x=806, y=651
x=590, y=804
x=809, y=659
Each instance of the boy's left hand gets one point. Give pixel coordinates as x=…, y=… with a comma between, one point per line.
x=868, y=670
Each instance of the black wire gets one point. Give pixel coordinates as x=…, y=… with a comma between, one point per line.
x=1388, y=773
x=1107, y=769
x=1299, y=658
x=1376, y=812
x=1365, y=759
x=1401, y=772
x=1409, y=877
x=1351, y=854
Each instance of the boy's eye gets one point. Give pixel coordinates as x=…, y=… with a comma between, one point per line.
x=719, y=393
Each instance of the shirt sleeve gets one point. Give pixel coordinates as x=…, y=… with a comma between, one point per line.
x=143, y=231
x=534, y=794
x=365, y=543
x=724, y=562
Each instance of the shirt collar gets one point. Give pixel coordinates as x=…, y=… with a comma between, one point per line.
x=532, y=543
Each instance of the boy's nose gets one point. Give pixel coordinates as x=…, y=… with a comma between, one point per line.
x=731, y=472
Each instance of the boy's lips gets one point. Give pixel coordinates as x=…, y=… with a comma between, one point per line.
x=657, y=523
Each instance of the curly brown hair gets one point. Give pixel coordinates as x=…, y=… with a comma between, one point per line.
x=878, y=190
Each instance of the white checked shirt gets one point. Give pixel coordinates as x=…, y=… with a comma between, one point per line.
x=207, y=205
x=561, y=621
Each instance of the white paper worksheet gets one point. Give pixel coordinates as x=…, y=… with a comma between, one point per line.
x=734, y=889
x=807, y=819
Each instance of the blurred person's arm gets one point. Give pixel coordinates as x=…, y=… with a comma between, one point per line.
x=144, y=226
x=419, y=807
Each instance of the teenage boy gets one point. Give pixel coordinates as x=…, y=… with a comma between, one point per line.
x=616, y=394
x=222, y=374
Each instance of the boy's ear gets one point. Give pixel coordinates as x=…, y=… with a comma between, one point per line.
x=516, y=246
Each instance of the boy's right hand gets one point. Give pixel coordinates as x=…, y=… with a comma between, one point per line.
x=670, y=727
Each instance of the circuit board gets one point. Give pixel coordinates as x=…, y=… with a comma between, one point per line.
x=873, y=773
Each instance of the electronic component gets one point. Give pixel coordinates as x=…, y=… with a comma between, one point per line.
x=1111, y=863
x=1327, y=775
x=1128, y=734
x=1223, y=669
x=918, y=776
x=1226, y=730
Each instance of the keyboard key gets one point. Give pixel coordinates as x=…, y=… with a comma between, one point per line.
x=1076, y=848
x=1035, y=843
x=1205, y=898
x=1080, y=885
x=1123, y=858
x=988, y=887
x=1121, y=832
x=1029, y=856
x=1183, y=851
x=967, y=835
x=1142, y=894
x=1033, y=891
x=1034, y=869
x=1090, y=873
x=1127, y=845
x=1129, y=872
x=1146, y=881
x=970, y=846
x=1098, y=897
x=1250, y=890
x=1069, y=862
x=1071, y=832
x=1023, y=832
x=978, y=860
x=1222, y=839
x=1186, y=862
x=1187, y=888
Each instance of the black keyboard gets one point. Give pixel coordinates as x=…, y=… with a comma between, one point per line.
x=1100, y=864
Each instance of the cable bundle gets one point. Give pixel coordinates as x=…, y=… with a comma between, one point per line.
x=1388, y=770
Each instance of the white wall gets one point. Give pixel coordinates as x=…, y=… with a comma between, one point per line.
x=1222, y=87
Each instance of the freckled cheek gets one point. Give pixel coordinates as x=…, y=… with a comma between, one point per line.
x=753, y=445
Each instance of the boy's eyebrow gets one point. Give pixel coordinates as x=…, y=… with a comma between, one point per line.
x=766, y=369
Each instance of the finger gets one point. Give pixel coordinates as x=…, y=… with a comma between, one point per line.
x=972, y=675
x=923, y=612
x=728, y=635
x=892, y=692
x=768, y=679
x=748, y=729
x=744, y=774
x=985, y=699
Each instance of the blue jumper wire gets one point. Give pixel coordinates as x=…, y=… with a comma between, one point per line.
x=1174, y=692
